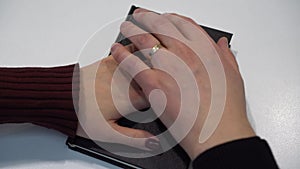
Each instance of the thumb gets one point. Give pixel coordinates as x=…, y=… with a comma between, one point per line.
x=136, y=138
x=223, y=44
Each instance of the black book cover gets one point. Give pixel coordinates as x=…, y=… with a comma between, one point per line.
x=175, y=158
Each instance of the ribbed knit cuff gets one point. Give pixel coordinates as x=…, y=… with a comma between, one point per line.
x=244, y=153
x=42, y=96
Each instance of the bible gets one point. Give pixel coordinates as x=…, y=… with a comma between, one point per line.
x=175, y=158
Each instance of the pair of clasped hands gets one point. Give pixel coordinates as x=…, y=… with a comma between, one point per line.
x=183, y=44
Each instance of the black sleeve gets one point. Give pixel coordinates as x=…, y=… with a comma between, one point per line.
x=250, y=153
x=43, y=96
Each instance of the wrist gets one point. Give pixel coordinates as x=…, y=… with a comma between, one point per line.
x=226, y=131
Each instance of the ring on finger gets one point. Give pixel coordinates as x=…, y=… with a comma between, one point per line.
x=154, y=49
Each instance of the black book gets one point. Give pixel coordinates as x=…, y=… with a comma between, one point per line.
x=175, y=158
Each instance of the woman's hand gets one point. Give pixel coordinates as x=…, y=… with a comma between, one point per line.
x=96, y=97
x=186, y=45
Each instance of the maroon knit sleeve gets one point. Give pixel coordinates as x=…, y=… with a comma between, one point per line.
x=44, y=96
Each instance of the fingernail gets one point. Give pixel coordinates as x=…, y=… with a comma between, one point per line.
x=225, y=41
x=153, y=144
x=114, y=47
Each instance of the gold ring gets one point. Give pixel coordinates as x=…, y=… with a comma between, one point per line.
x=155, y=49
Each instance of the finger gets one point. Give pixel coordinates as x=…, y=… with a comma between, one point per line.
x=138, y=10
x=158, y=25
x=185, y=18
x=131, y=64
x=181, y=16
x=189, y=34
x=186, y=26
x=136, y=138
x=143, y=40
x=137, y=97
x=223, y=44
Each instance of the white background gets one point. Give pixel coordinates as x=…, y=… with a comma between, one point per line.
x=49, y=33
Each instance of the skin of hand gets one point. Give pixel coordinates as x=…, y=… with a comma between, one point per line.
x=233, y=124
x=91, y=126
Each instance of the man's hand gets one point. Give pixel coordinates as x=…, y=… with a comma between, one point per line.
x=188, y=56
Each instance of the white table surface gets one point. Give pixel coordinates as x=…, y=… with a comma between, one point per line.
x=266, y=36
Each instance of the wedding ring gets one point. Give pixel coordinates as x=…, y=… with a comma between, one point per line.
x=155, y=49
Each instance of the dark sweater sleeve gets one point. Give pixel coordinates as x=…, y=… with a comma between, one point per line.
x=44, y=96
x=247, y=153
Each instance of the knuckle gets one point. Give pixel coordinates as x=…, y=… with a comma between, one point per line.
x=189, y=19
x=146, y=41
x=167, y=15
x=180, y=22
x=175, y=14
x=119, y=54
x=172, y=14
x=186, y=18
x=143, y=38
